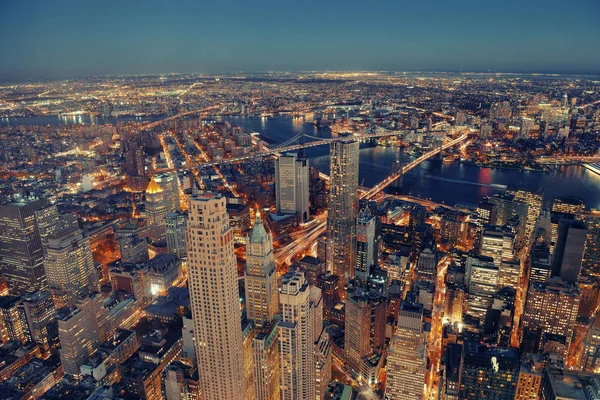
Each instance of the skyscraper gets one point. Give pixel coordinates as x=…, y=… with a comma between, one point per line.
x=156, y=211
x=21, y=252
x=261, y=275
x=365, y=246
x=296, y=339
x=175, y=224
x=507, y=207
x=568, y=252
x=265, y=361
x=214, y=298
x=481, y=279
x=342, y=206
x=69, y=266
x=292, y=185
x=169, y=183
x=407, y=358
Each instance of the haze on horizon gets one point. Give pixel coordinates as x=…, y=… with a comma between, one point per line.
x=72, y=39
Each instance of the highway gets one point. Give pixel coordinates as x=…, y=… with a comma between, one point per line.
x=558, y=160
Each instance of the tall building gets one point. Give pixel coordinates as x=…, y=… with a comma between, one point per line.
x=366, y=251
x=534, y=200
x=590, y=264
x=175, y=225
x=552, y=307
x=265, y=361
x=497, y=243
x=131, y=235
x=541, y=264
x=323, y=360
x=530, y=377
x=489, y=373
x=364, y=332
x=21, y=252
x=296, y=339
x=568, y=252
x=407, y=359
x=452, y=372
x=48, y=221
x=13, y=321
x=343, y=208
x=507, y=207
x=481, y=280
x=292, y=185
x=568, y=205
x=69, y=266
x=589, y=359
x=562, y=384
x=156, y=211
x=39, y=312
x=169, y=183
x=261, y=275
x=214, y=298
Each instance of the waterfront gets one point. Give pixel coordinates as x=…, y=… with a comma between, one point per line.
x=441, y=182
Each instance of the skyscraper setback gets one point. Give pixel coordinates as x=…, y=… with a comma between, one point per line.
x=343, y=208
x=214, y=298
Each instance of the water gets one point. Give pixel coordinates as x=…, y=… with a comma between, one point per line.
x=82, y=119
x=440, y=182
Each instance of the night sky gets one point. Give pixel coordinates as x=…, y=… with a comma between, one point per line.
x=81, y=38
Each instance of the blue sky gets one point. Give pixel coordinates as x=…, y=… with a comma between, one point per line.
x=68, y=38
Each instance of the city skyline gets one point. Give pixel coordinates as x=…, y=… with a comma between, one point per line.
x=156, y=38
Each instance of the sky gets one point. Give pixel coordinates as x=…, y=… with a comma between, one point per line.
x=63, y=38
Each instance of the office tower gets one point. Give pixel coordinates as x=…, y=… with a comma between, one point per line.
x=552, y=307
x=541, y=264
x=588, y=289
x=589, y=359
x=426, y=269
x=131, y=235
x=13, y=321
x=568, y=205
x=48, y=221
x=291, y=185
x=181, y=382
x=175, y=226
x=534, y=200
x=322, y=248
x=296, y=339
x=329, y=285
x=134, y=164
x=481, y=280
x=527, y=125
x=261, y=275
x=214, y=298
x=39, y=312
x=169, y=183
x=530, y=377
x=407, y=359
x=342, y=206
x=454, y=303
x=507, y=207
x=450, y=384
x=156, y=211
x=365, y=246
x=323, y=360
x=21, y=253
x=69, y=266
x=416, y=217
x=489, y=372
x=364, y=328
x=248, y=335
x=497, y=243
x=562, y=384
x=265, y=361
x=509, y=273
x=488, y=212
x=568, y=252
x=590, y=265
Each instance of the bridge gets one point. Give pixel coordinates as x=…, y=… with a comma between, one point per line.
x=288, y=145
x=397, y=174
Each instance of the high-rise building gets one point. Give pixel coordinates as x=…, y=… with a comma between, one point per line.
x=188, y=345
x=589, y=359
x=489, y=372
x=39, y=312
x=156, y=211
x=365, y=246
x=292, y=185
x=69, y=266
x=323, y=360
x=364, y=332
x=296, y=339
x=497, y=243
x=175, y=225
x=534, y=200
x=541, y=264
x=261, y=275
x=131, y=235
x=265, y=361
x=343, y=208
x=552, y=307
x=481, y=280
x=563, y=384
x=21, y=252
x=407, y=359
x=426, y=269
x=452, y=372
x=530, y=377
x=568, y=252
x=507, y=207
x=13, y=321
x=590, y=265
x=48, y=221
x=568, y=205
x=169, y=183
x=214, y=298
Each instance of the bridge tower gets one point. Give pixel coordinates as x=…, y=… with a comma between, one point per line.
x=439, y=157
x=397, y=168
